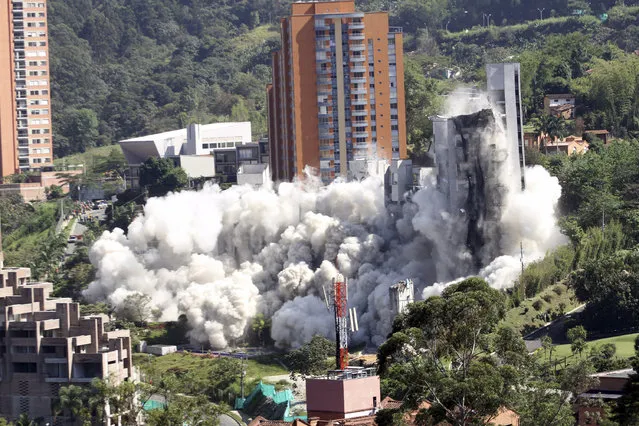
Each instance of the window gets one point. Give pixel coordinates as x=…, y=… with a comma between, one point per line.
x=25, y=367
x=245, y=153
x=42, y=43
x=24, y=349
x=32, y=44
x=205, y=146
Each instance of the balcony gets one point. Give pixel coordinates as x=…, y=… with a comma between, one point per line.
x=356, y=37
x=395, y=30
x=360, y=91
x=359, y=80
x=362, y=123
x=358, y=68
x=360, y=134
x=359, y=101
x=359, y=113
x=358, y=58
x=21, y=95
x=359, y=47
x=356, y=26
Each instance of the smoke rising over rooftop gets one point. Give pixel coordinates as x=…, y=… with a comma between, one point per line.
x=221, y=257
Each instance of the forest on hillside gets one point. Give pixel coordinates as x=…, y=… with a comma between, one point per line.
x=124, y=68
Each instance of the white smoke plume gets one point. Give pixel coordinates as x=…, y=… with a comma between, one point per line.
x=222, y=257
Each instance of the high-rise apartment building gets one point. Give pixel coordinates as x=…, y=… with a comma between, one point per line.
x=25, y=103
x=338, y=90
x=504, y=91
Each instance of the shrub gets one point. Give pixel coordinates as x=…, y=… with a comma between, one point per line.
x=538, y=304
x=547, y=297
x=559, y=290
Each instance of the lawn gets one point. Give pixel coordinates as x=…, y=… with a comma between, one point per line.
x=86, y=158
x=256, y=368
x=537, y=311
x=625, y=346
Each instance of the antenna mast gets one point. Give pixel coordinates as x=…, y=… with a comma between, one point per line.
x=340, y=306
x=339, y=303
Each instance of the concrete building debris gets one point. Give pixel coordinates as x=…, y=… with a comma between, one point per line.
x=402, y=294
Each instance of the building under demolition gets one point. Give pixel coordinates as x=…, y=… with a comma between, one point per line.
x=473, y=154
x=46, y=344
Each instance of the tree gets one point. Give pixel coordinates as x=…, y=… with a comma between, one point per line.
x=577, y=338
x=312, y=358
x=627, y=409
x=136, y=308
x=550, y=127
x=54, y=192
x=74, y=401
x=82, y=126
x=440, y=351
x=161, y=176
x=113, y=164
x=259, y=325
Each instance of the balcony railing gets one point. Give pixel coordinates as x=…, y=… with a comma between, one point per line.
x=356, y=25
x=356, y=37
x=394, y=30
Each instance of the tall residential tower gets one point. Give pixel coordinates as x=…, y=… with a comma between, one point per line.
x=337, y=92
x=25, y=110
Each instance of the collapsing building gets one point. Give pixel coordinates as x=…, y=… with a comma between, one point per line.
x=402, y=294
x=476, y=157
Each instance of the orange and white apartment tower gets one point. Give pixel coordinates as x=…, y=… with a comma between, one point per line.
x=25, y=103
x=338, y=90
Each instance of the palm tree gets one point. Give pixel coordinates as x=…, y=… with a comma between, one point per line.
x=550, y=127
x=24, y=420
x=73, y=401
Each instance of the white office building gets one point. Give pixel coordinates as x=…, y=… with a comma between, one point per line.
x=192, y=148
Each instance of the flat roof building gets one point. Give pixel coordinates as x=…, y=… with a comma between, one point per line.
x=25, y=103
x=337, y=91
x=45, y=344
x=192, y=148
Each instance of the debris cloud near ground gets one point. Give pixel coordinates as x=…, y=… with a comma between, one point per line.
x=222, y=257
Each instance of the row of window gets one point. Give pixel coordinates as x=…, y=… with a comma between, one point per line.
x=40, y=160
x=36, y=24
x=44, y=111
x=40, y=132
x=40, y=53
x=35, y=14
x=39, y=121
x=30, y=5
x=37, y=83
x=219, y=145
x=36, y=44
x=37, y=63
x=37, y=73
x=36, y=34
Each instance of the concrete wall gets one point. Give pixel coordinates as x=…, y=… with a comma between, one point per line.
x=198, y=166
x=338, y=399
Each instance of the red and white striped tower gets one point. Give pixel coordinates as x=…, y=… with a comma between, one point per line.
x=340, y=306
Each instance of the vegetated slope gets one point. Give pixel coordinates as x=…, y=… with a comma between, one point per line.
x=123, y=68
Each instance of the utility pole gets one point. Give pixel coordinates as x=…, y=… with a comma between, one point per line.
x=541, y=13
x=242, y=374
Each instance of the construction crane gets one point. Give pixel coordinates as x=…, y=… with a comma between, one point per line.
x=338, y=301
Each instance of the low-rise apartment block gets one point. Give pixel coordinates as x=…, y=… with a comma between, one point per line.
x=45, y=343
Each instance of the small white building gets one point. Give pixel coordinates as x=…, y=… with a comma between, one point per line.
x=161, y=349
x=402, y=294
x=191, y=147
x=253, y=174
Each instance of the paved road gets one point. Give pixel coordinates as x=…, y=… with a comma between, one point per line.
x=226, y=420
x=78, y=229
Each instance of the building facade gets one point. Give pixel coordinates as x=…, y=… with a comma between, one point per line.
x=192, y=148
x=504, y=91
x=45, y=344
x=338, y=90
x=25, y=103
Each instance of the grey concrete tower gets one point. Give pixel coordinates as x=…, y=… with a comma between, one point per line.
x=504, y=91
